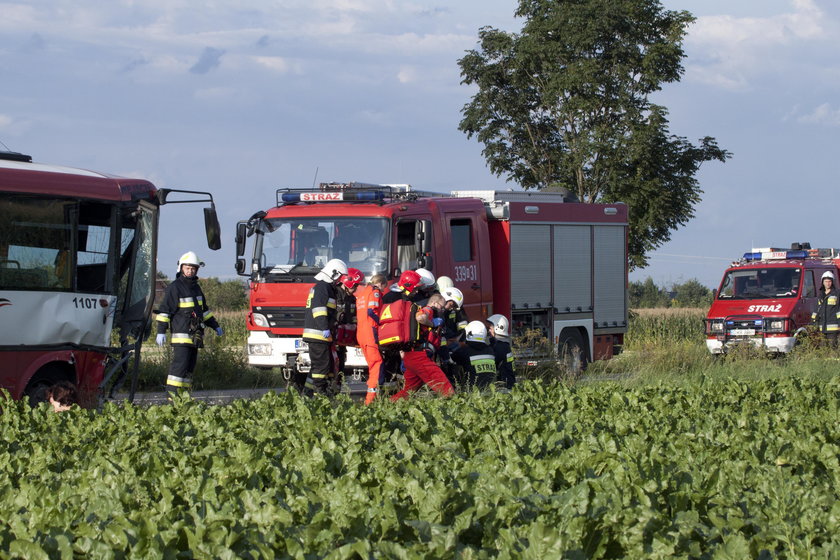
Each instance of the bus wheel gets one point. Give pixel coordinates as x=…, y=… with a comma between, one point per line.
x=36, y=390
x=572, y=352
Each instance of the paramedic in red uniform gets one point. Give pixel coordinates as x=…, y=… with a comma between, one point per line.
x=419, y=368
x=368, y=302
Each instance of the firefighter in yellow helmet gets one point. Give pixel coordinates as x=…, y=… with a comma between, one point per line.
x=185, y=313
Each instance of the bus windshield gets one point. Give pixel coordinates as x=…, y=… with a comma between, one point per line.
x=302, y=246
x=760, y=283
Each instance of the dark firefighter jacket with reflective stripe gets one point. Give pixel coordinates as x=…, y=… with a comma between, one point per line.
x=320, y=312
x=479, y=362
x=827, y=315
x=183, y=297
x=504, y=357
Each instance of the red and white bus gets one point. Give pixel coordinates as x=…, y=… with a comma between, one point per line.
x=77, y=274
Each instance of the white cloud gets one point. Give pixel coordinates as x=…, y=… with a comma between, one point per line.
x=5, y=121
x=275, y=63
x=821, y=115
x=728, y=52
x=407, y=74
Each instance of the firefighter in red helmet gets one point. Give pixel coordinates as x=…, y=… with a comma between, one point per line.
x=419, y=368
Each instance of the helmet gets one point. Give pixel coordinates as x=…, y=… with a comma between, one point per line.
x=476, y=332
x=353, y=278
x=332, y=271
x=828, y=274
x=189, y=258
x=427, y=279
x=453, y=294
x=501, y=326
x=444, y=282
x=409, y=281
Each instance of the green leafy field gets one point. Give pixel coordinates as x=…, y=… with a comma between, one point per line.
x=716, y=468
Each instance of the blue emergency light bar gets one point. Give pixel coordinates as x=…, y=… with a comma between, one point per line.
x=336, y=196
x=775, y=255
x=292, y=197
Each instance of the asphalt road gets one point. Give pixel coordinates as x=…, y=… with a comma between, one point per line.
x=354, y=389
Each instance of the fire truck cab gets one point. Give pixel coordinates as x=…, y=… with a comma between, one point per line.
x=767, y=297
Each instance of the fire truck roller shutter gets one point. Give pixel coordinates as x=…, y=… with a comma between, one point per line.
x=530, y=276
x=573, y=268
x=610, y=276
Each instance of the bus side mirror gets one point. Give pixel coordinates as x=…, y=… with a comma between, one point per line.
x=241, y=235
x=211, y=227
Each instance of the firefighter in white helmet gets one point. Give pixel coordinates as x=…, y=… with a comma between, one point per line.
x=185, y=313
x=476, y=357
x=319, y=324
x=444, y=282
x=827, y=315
x=499, y=328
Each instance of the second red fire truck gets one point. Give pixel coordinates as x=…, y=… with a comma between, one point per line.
x=766, y=298
x=549, y=264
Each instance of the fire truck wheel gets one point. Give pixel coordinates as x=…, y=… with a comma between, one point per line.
x=572, y=352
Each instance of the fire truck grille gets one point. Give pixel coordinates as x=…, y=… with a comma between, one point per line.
x=283, y=317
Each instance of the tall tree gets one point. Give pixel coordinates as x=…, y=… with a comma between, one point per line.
x=566, y=103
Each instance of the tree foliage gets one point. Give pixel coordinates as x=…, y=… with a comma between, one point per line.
x=220, y=294
x=566, y=104
x=646, y=294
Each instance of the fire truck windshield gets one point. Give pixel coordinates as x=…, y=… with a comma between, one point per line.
x=302, y=246
x=760, y=283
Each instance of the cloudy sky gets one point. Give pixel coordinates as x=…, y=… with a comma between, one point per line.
x=243, y=97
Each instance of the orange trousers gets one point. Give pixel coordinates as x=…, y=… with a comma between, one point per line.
x=374, y=363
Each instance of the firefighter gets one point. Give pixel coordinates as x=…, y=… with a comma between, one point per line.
x=368, y=304
x=476, y=356
x=346, y=305
x=454, y=300
x=426, y=289
x=319, y=325
x=419, y=369
x=500, y=343
x=185, y=313
x=827, y=315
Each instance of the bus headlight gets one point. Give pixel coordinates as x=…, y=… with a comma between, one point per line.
x=260, y=320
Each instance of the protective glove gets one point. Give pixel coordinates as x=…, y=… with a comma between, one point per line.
x=327, y=333
x=160, y=339
x=437, y=321
x=219, y=331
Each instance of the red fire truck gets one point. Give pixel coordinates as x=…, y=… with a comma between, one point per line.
x=77, y=261
x=548, y=264
x=767, y=297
